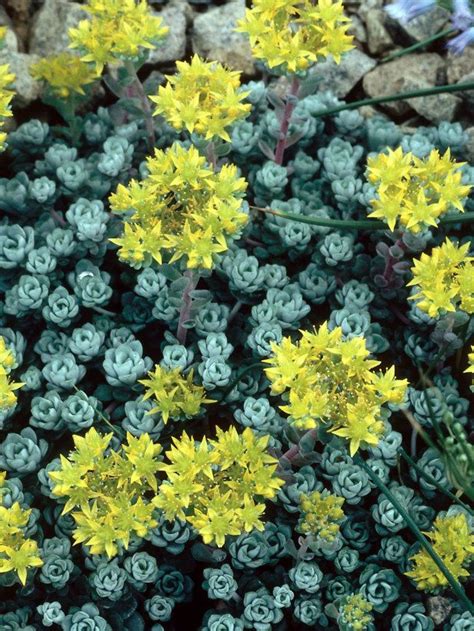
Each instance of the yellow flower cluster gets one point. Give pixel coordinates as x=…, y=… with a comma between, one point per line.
x=354, y=613
x=202, y=97
x=175, y=395
x=6, y=96
x=7, y=387
x=415, y=191
x=453, y=541
x=321, y=515
x=64, y=73
x=117, y=30
x=17, y=552
x=327, y=379
x=182, y=209
x=444, y=279
x=294, y=34
x=218, y=485
x=108, y=490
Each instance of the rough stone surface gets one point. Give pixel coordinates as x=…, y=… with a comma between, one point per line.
x=413, y=72
x=341, y=78
x=438, y=108
x=357, y=29
x=378, y=37
x=26, y=89
x=10, y=41
x=425, y=25
x=50, y=25
x=468, y=95
x=364, y=7
x=213, y=37
x=460, y=66
x=174, y=16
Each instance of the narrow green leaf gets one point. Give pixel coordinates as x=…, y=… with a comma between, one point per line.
x=455, y=585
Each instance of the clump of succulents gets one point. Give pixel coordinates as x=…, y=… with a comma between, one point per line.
x=234, y=332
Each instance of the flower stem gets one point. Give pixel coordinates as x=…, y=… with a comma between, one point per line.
x=291, y=101
x=211, y=154
x=455, y=585
x=439, y=89
x=140, y=93
x=235, y=309
x=429, y=478
x=418, y=45
x=294, y=451
x=355, y=224
x=193, y=279
x=57, y=217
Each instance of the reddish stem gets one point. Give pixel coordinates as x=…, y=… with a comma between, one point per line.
x=294, y=451
x=137, y=88
x=211, y=154
x=286, y=118
x=57, y=217
x=390, y=262
x=111, y=407
x=395, y=310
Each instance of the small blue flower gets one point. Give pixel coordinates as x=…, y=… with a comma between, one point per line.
x=406, y=10
x=459, y=43
x=462, y=17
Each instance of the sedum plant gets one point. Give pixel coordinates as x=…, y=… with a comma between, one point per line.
x=329, y=380
x=174, y=395
x=65, y=74
x=218, y=486
x=321, y=515
x=118, y=30
x=354, y=613
x=415, y=192
x=202, y=290
x=8, y=397
x=181, y=210
x=453, y=540
x=18, y=552
x=6, y=95
x=444, y=280
x=215, y=104
x=107, y=490
x=291, y=36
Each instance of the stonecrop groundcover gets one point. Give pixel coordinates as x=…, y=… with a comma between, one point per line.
x=235, y=329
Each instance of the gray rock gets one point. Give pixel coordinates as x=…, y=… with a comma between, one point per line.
x=413, y=72
x=425, y=25
x=357, y=29
x=174, y=47
x=341, y=78
x=460, y=66
x=378, y=37
x=213, y=37
x=467, y=95
x=439, y=609
x=50, y=26
x=364, y=7
x=437, y=108
x=25, y=87
x=10, y=41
